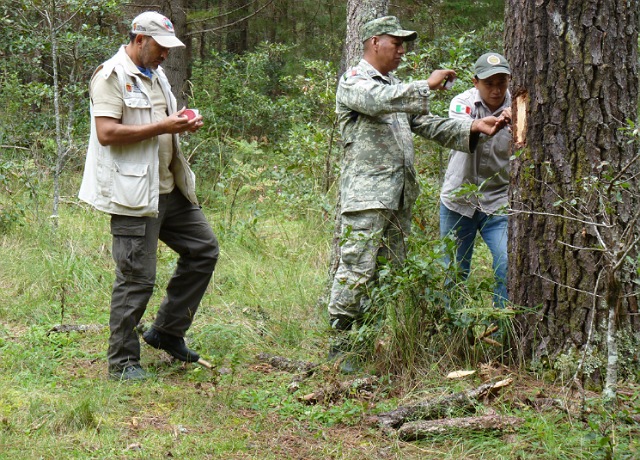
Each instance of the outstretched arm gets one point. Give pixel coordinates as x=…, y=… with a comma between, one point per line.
x=489, y=125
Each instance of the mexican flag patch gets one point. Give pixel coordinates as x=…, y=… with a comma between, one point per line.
x=463, y=109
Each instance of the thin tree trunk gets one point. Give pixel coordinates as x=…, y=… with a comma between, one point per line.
x=60, y=150
x=613, y=302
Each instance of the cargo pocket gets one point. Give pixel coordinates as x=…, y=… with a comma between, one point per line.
x=129, y=248
x=131, y=185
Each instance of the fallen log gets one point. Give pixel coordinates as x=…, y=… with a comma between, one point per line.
x=286, y=364
x=421, y=429
x=76, y=328
x=439, y=407
x=362, y=388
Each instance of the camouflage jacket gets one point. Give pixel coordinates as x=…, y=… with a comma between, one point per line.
x=487, y=167
x=377, y=115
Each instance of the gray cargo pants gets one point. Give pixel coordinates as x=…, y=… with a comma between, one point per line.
x=181, y=226
x=367, y=235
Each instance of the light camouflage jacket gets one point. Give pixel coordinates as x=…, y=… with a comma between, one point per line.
x=377, y=115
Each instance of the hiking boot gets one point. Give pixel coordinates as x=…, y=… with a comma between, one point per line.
x=128, y=373
x=172, y=344
x=340, y=352
x=347, y=363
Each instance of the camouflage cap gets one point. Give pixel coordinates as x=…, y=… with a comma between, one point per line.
x=490, y=64
x=387, y=25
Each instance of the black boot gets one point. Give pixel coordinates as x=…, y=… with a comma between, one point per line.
x=172, y=344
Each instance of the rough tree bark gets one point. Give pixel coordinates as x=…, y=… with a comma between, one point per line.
x=575, y=85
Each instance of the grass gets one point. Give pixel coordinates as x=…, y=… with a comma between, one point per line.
x=56, y=402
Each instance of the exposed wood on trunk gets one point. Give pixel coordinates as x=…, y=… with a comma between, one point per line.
x=521, y=103
x=413, y=431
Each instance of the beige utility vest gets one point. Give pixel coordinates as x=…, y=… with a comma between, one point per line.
x=124, y=179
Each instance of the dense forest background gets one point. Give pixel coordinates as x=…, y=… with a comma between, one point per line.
x=262, y=73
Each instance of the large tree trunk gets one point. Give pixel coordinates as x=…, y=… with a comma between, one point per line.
x=574, y=85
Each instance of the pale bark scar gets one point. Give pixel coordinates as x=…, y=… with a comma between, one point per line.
x=520, y=119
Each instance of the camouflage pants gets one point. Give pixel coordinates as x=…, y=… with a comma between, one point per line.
x=367, y=235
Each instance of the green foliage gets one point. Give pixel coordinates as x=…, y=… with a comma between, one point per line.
x=418, y=316
x=459, y=53
x=267, y=162
x=27, y=115
x=436, y=18
x=19, y=184
x=17, y=100
x=270, y=135
x=241, y=95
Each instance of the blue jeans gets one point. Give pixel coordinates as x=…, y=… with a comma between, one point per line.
x=493, y=229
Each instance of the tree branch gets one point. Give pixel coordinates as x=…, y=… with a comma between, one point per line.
x=231, y=24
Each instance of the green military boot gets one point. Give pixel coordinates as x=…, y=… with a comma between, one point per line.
x=340, y=348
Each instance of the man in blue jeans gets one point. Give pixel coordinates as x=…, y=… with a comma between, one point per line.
x=474, y=194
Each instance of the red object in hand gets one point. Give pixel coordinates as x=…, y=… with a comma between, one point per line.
x=190, y=113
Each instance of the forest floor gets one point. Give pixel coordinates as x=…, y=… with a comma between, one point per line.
x=56, y=400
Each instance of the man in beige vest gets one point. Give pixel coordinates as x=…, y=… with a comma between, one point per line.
x=136, y=172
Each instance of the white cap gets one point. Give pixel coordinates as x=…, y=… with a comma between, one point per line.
x=158, y=26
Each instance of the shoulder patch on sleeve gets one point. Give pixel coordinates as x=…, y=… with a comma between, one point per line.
x=461, y=108
x=350, y=73
x=423, y=91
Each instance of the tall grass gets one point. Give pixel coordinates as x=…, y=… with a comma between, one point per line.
x=56, y=402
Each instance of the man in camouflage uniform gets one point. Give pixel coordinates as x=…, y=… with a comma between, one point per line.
x=377, y=115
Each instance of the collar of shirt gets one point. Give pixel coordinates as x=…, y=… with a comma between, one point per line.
x=146, y=72
x=373, y=72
